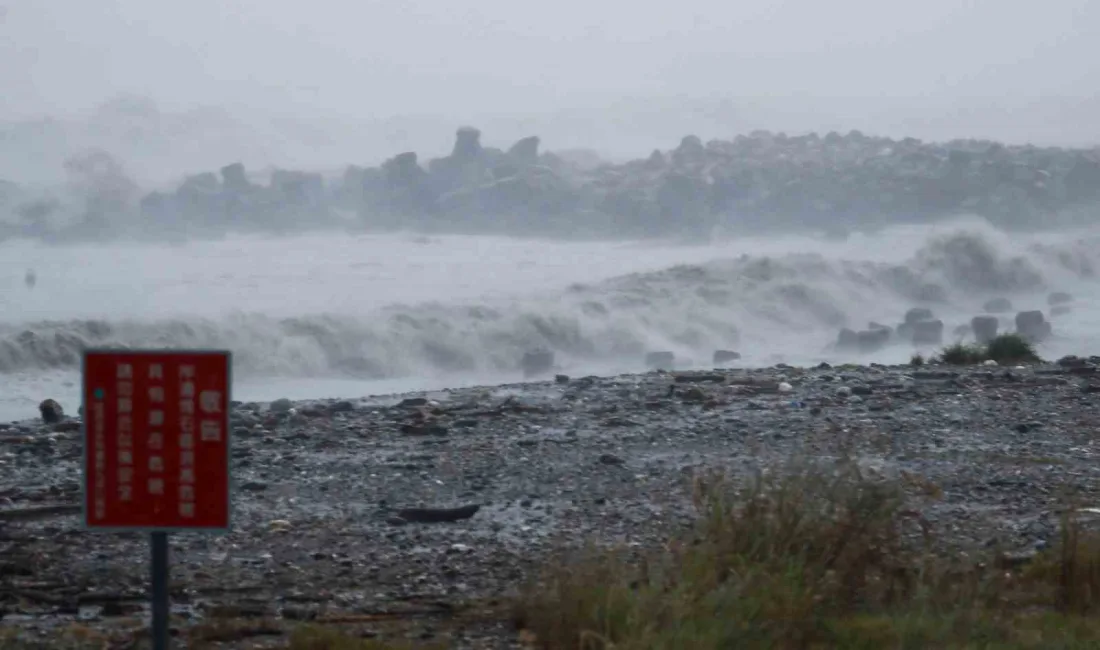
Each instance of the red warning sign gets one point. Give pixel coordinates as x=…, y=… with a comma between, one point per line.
x=156, y=440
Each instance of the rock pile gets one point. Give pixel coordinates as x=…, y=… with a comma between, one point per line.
x=920, y=328
x=762, y=178
x=1032, y=325
x=449, y=498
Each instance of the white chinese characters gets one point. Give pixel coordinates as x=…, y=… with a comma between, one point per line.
x=154, y=439
x=124, y=439
x=187, y=441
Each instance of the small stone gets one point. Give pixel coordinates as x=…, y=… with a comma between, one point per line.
x=784, y=387
x=425, y=430
x=412, y=402
x=610, y=459
x=282, y=405
x=561, y=379
x=254, y=486
x=693, y=394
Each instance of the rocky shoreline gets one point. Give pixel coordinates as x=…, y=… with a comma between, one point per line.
x=419, y=515
x=755, y=181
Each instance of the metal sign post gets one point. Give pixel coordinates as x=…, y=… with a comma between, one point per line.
x=161, y=605
x=156, y=451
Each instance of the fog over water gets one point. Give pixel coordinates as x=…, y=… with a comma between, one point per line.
x=372, y=314
x=104, y=102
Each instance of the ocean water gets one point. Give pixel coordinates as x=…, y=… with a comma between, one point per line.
x=340, y=315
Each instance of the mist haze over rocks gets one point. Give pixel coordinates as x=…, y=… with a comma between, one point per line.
x=760, y=181
x=428, y=193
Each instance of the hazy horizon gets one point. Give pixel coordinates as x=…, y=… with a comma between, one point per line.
x=334, y=83
x=420, y=276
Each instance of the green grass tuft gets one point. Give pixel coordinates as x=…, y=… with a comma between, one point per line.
x=815, y=560
x=961, y=354
x=1011, y=349
x=1005, y=349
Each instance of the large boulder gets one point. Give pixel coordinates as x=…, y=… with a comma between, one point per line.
x=204, y=183
x=298, y=188
x=1059, y=298
x=690, y=152
x=405, y=187
x=984, y=328
x=847, y=340
x=928, y=332
x=904, y=332
x=918, y=314
x=656, y=161
x=532, y=190
x=199, y=197
x=1032, y=325
x=997, y=306
x=930, y=292
x=51, y=411
x=525, y=151
x=872, y=340
x=467, y=143
x=234, y=178
x=681, y=201
x=469, y=165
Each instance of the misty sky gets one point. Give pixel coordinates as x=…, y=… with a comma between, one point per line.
x=356, y=57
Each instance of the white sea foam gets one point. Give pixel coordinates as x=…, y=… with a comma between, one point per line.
x=344, y=316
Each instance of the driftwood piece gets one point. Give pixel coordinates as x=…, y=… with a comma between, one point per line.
x=437, y=515
x=38, y=512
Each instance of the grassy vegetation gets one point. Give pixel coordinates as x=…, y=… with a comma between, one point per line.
x=961, y=354
x=319, y=637
x=814, y=561
x=804, y=559
x=1004, y=349
x=1012, y=348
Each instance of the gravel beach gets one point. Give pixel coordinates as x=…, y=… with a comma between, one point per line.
x=424, y=512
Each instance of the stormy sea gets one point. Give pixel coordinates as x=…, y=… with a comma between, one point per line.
x=339, y=315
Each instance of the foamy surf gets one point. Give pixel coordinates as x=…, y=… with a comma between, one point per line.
x=342, y=316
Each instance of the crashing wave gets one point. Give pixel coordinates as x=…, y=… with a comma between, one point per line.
x=793, y=302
